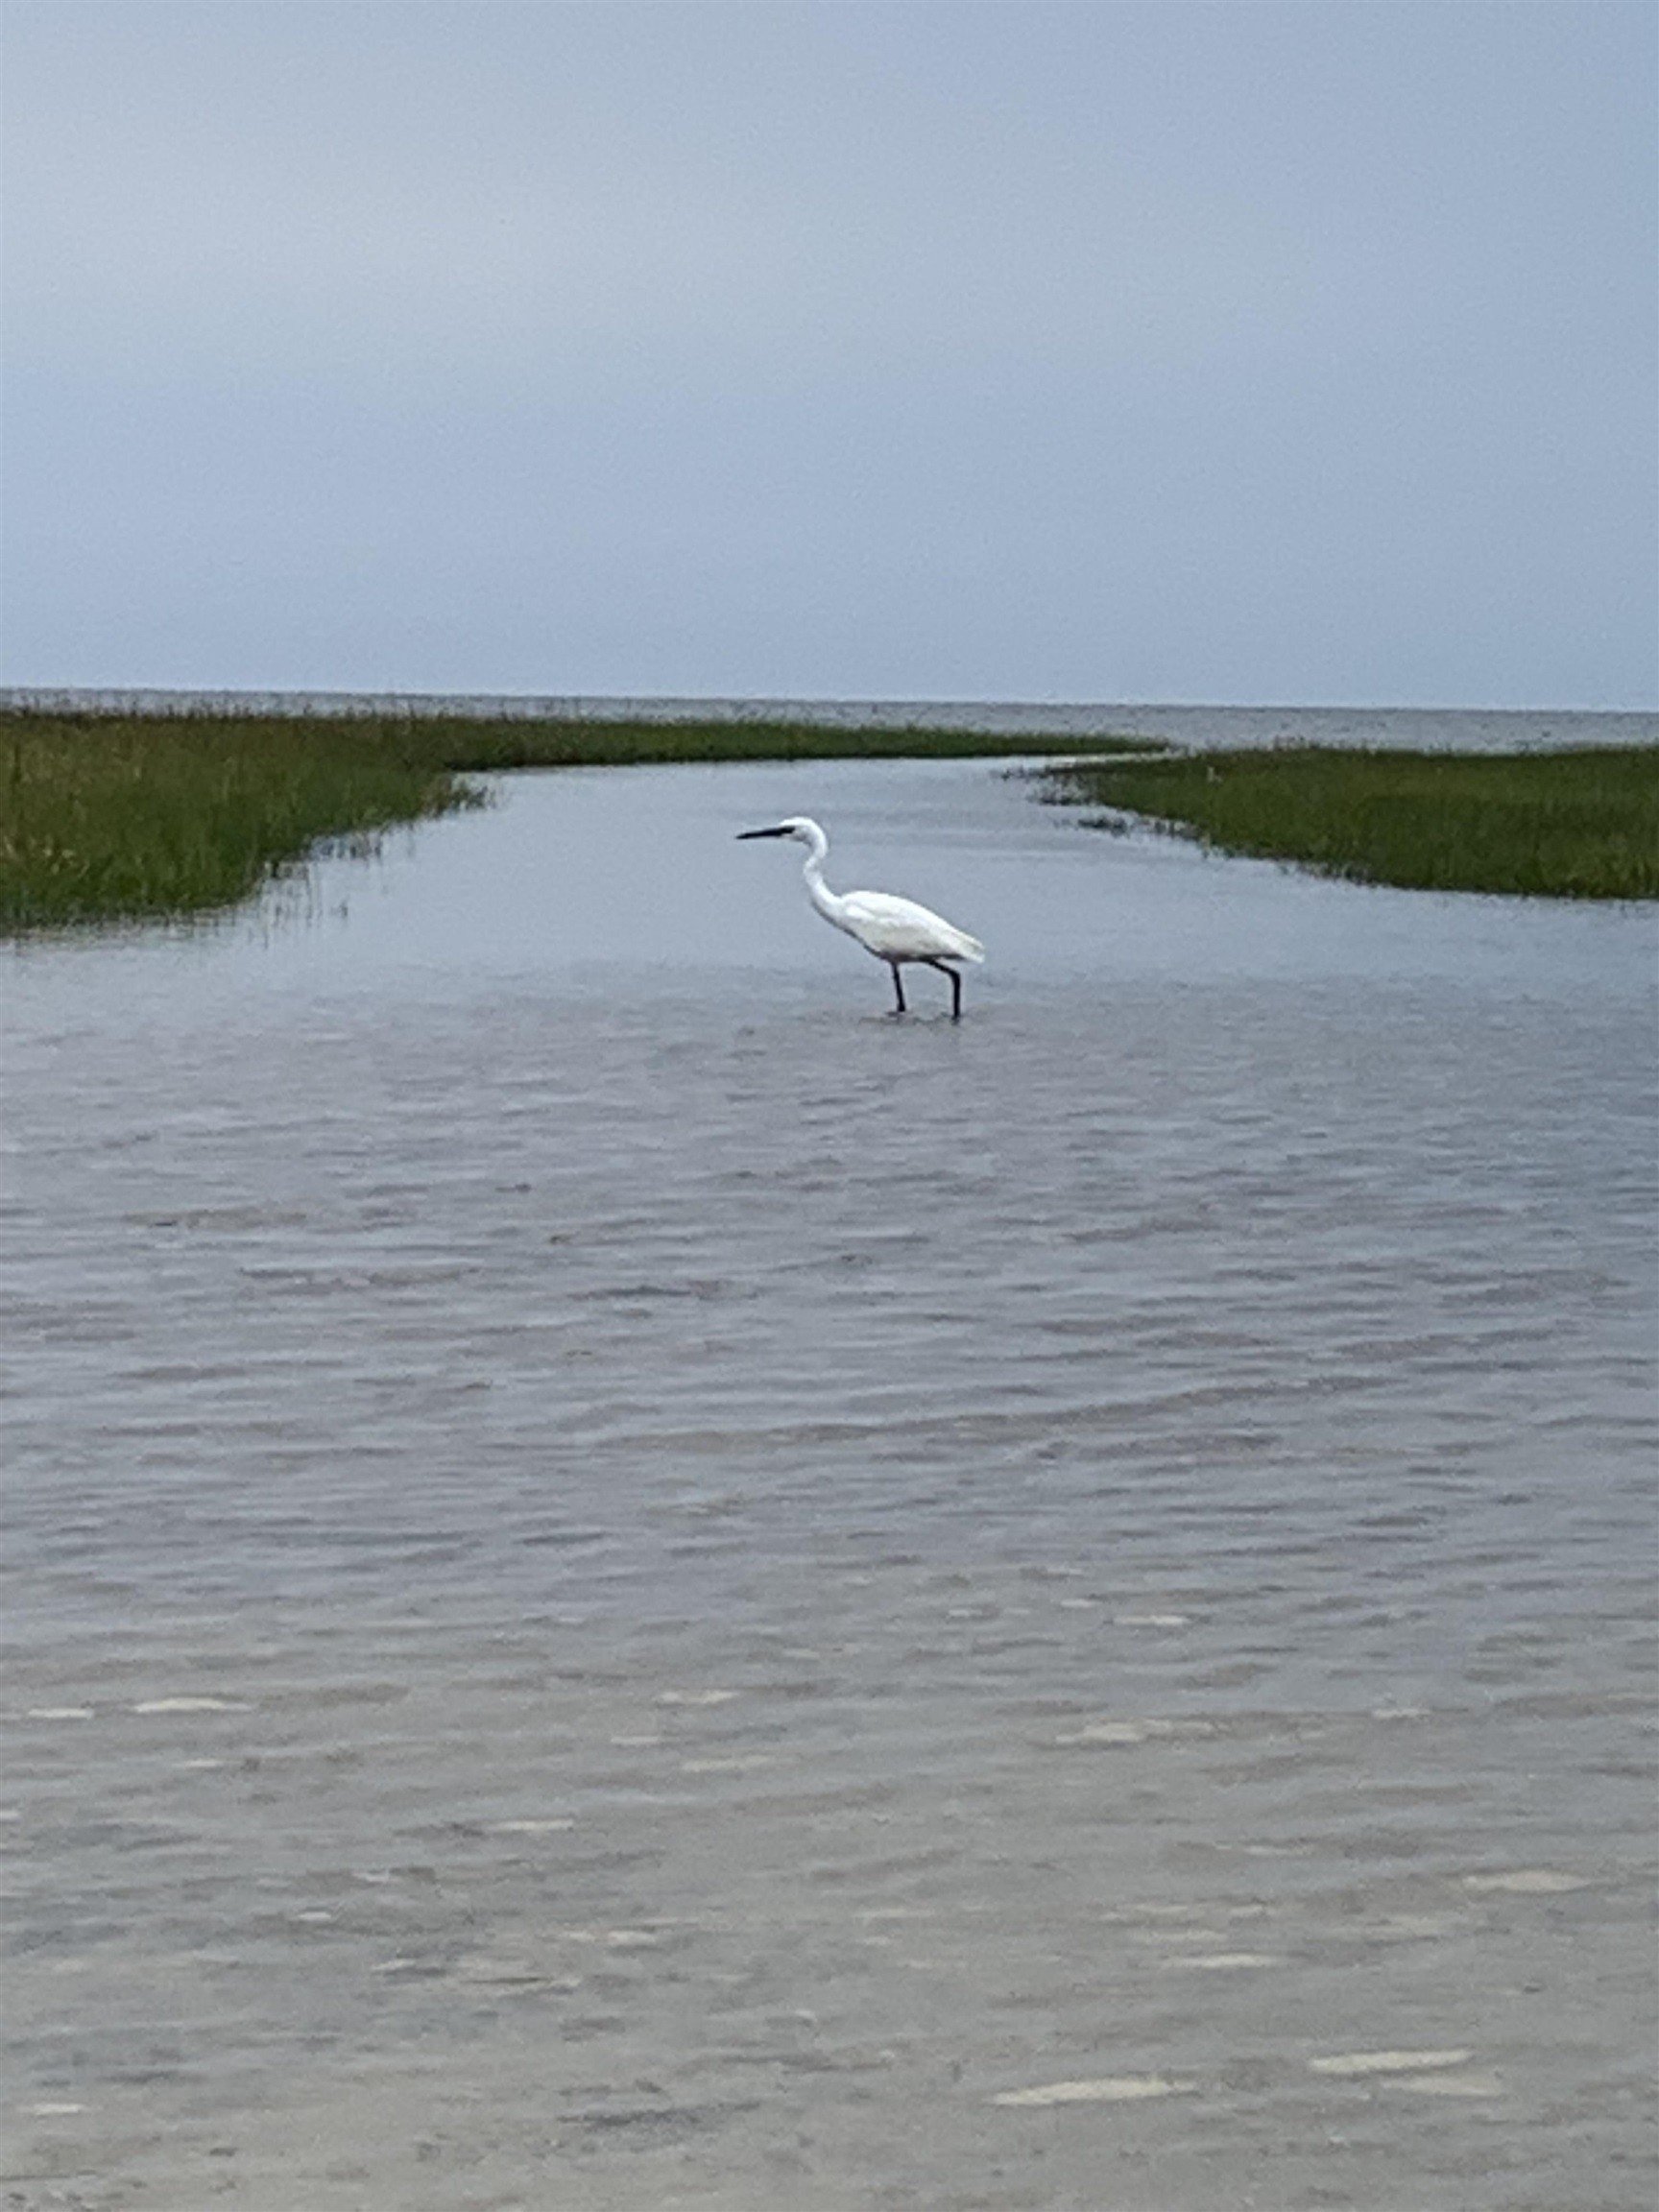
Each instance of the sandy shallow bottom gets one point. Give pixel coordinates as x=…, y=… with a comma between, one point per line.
x=632, y=1585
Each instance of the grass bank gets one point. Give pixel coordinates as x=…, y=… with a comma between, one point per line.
x=1567, y=825
x=111, y=816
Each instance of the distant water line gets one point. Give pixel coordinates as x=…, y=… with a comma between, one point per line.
x=1474, y=730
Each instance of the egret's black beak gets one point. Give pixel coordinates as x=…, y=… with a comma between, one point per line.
x=743, y=834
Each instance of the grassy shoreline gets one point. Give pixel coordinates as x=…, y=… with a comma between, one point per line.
x=1575, y=823
x=109, y=816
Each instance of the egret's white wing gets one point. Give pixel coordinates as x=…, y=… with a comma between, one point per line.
x=899, y=930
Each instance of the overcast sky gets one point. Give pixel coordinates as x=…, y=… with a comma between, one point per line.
x=1234, y=352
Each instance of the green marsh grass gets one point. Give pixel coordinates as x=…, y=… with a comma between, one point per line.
x=116, y=816
x=1579, y=824
x=173, y=814
x=103, y=818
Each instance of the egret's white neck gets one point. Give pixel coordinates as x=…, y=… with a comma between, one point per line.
x=812, y=870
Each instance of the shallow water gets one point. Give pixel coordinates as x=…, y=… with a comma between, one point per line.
x=632, y=1583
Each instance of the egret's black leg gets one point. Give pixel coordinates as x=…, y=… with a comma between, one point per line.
x=898, y=989
x=955, y=988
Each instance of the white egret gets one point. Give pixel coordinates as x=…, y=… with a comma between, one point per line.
x=896, y=930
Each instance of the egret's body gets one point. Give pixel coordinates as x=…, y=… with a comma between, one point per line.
x=896, y=930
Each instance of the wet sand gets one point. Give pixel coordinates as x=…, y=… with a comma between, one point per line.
x=632, y=1585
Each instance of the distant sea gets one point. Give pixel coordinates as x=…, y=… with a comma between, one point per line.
x=1461, y=729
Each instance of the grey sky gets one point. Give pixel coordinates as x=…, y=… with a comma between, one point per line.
x=1231, y=352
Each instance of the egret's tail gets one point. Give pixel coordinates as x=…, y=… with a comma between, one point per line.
x=968, y=947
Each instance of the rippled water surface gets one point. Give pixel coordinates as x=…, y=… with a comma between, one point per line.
x=635, y=1584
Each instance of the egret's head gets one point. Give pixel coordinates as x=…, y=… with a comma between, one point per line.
x=800, y=826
